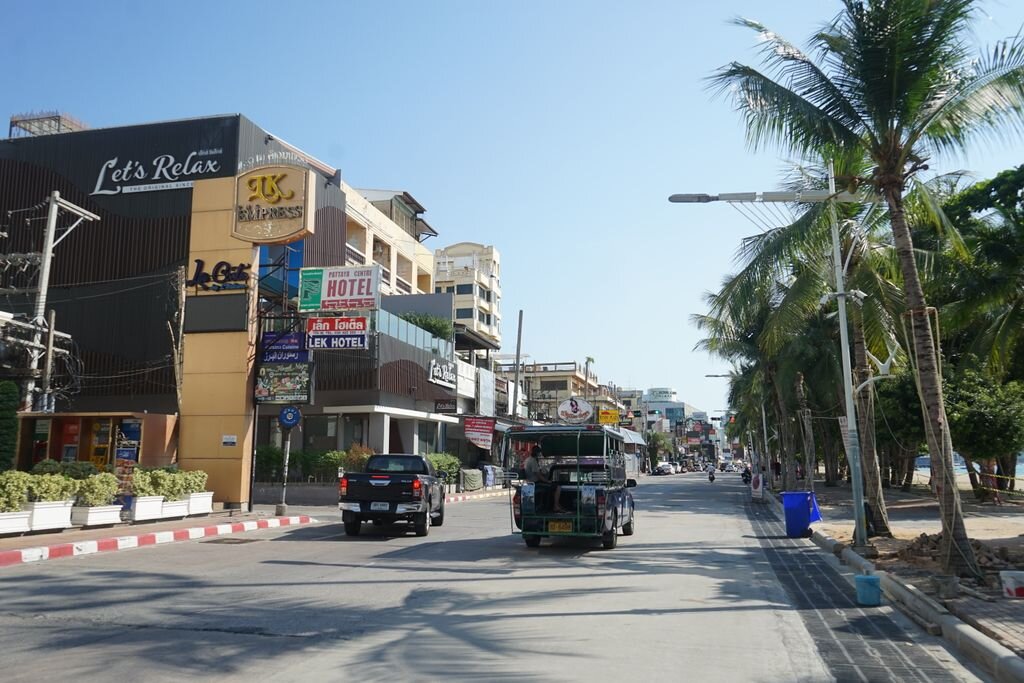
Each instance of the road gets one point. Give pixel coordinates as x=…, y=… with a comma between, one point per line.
x=705, y=590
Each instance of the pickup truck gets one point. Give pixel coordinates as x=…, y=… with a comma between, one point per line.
x=395, y=487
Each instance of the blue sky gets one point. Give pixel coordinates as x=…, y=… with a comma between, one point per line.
x=553, y=130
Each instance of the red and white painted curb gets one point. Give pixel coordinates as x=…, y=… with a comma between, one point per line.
x=102, y=545
x=462, y=497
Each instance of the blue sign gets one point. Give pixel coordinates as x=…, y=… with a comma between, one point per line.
x=289, y=417
x=274, y=356
x=338, y=341
x=283, y=341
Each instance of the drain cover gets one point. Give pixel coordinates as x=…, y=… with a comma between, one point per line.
x=232, y=541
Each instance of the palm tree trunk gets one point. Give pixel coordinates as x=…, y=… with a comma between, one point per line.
x=828, y=446
x=910, y=457
x=956, y=554
x=866, y=428
x=807, y=433
x=785, y=442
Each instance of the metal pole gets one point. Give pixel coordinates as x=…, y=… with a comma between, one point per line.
x=859, y=529
x=515, y=389
x=282, y=509
x=44, y=284
x=44, y=402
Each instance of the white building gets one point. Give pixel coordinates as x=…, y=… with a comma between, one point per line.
x=472, y=272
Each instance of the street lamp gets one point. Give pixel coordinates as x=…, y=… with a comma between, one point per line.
x=860, y=540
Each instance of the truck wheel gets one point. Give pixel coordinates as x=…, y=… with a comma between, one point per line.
x=610, y=539
x=352, y=527
x=422, y=524
x=627, y=529
x=439, y=519
x=532, y=541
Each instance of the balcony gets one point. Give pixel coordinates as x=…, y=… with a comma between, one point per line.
x=354, y=257
x=403, y=286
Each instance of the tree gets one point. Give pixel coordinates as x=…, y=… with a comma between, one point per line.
x=892, y=80
x=9, y=400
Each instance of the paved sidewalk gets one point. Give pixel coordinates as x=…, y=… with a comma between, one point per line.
x=916, y=512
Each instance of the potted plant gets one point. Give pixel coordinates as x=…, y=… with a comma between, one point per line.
x=171, y=485
x=93, y=504
x=200, y=501
x=147, y=503
x=13, y=496
x=50, y=497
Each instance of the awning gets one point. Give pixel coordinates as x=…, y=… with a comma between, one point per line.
x=393, y=412
x=633, y=437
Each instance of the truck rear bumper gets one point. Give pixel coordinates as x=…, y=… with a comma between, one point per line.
x=395, y=509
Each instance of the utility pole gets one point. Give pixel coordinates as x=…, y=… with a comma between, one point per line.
x=49, y=242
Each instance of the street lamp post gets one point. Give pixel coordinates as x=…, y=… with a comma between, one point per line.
x=860, y=540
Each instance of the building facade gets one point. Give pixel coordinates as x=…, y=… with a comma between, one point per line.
x=471, y=272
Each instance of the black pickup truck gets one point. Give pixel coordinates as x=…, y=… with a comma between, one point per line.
x=395, y=487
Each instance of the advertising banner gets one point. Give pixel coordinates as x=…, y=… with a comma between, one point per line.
x=575, y=411
x=479, y=431
x=283, y=347
x=692, y=440
x=442, y=372
x=337, y=333
x=285, y=383
x=339, y=288
x=608, y=417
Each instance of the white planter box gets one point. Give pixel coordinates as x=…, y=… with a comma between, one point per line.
x=200, y=503
x=96, y=515
x=174, y=508
x=14, y=522
x=147, y=507
x=49, y=515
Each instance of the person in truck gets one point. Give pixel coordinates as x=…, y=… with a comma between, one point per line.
x=536, y=475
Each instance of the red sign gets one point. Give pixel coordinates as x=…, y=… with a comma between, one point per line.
x=479, y=431
x=698, y=426
x=322, y=326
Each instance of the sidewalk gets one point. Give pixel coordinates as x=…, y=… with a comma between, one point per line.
x=997, y=530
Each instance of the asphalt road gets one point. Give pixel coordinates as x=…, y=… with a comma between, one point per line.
x=694, y=595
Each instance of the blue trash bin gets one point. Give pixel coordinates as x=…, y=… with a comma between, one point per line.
x=869, y=590
x=797, y=506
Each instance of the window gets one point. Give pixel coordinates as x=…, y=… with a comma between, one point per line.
x=437, y=290
x=449, y=290
x=464, y=289
x=485, y=294
x=464, y=313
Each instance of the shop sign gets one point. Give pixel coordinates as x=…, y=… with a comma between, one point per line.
x=337, y=333
x=446, y=405
x=339, y=288
x=608, y=417
x=283, y=347
x=691, y=440
x=274, y=205
x=479, y=431
x=222, y=276
x=285, y=383
x=162, y=172
x=624, y=422
x=442, y=372
x=575, y=411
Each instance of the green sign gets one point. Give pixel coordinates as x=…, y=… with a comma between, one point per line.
x=311, y=282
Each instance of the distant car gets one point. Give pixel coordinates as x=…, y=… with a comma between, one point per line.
x=730, y=468
x=663, y=468
x=676, y=468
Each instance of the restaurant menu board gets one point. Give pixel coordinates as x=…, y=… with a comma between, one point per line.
x=284, y=383
x=125, y=461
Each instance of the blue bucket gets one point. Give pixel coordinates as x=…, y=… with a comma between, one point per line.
x=869, y=590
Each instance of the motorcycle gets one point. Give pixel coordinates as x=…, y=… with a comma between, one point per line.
x=711, y=476
x=746, y=476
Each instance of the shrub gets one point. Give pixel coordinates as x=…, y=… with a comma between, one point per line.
x=170, y=485
x=13, y=490
x=47, y=466
x=447, y=464
x=327, y=465
x=99, y=489
x=78, y=469
x=268, y=463
x=50, y=488
x=143, y=484
x=195, y=481
x=9, y=400
x=355, y=459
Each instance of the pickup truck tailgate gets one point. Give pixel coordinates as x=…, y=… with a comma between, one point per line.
x=381, y=487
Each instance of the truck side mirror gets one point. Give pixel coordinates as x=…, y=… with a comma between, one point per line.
x=630, y=483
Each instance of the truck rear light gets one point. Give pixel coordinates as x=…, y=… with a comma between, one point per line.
x=517, y=501
x=599, y=498
x=417, y=488
x=343, y=486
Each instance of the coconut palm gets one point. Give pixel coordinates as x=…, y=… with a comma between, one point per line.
x=892, y=80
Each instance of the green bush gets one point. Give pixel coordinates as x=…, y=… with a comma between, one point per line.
x=447, y=464
x=99, y=489
x=269, y=460
x=170, y=485
x=50, y=488
x=354, y=460
x=9, y=400
x=143, y=484
x=47, y=466
x=327, y=465
x=78, y=469
x=195, y=481
x=13, y=490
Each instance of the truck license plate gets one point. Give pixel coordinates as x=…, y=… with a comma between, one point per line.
x=380, y=507
x=560, y=527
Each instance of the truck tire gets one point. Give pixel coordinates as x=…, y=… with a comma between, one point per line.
x=532, y=541
x=610, y=539
x=352, y=527
x=439, y=519
x=422, y=524
x=628, y=528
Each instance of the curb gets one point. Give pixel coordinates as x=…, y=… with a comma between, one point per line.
x=103, y=545
x=997, y=659
x=463, y=497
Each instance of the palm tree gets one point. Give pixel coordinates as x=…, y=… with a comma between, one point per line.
x=892, y=80
x=586, y=387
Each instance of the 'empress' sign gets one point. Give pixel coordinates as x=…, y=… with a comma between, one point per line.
x=274, y=204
